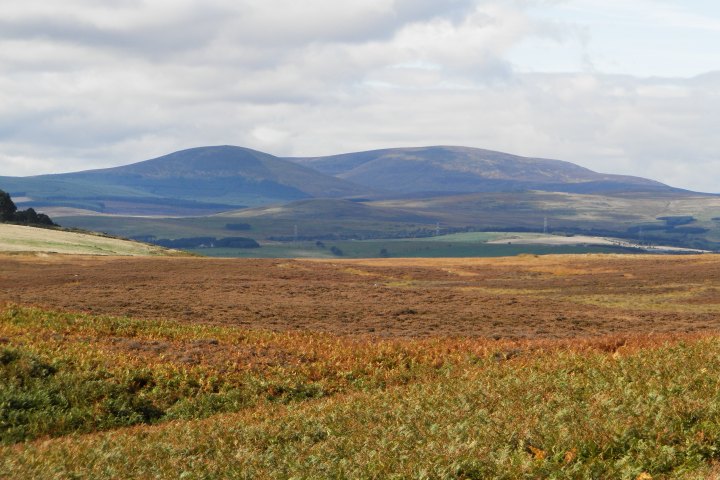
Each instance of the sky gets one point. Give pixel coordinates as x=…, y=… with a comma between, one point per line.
x=616, y=86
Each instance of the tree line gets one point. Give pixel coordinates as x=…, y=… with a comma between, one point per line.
x=9, y=213
x=201, y=242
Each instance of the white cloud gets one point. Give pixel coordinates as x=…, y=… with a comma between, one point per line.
x=89, y=84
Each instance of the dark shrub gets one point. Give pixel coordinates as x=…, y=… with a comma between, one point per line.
x=191, y=242
x=237, y=226
x=674, y=221
x=236, y=242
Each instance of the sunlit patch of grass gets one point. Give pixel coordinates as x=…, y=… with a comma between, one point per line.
x=679, y=301
x=359, y=272
x=401, y=284
x=563, y=270
x=527, y=292
x=460, y=272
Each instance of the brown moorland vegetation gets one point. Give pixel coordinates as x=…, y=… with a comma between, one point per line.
x=522, y=297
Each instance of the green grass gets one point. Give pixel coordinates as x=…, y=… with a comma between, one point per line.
x=476, y=237
x=319, y=406
x=69, y=373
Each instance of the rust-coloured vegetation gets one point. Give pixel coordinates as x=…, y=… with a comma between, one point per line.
x=527, y=297
x=577, y=367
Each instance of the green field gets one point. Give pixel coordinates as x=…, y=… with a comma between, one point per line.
x=434, y=247
x=471, y=244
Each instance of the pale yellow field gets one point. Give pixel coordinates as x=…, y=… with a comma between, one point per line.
x=16, y=238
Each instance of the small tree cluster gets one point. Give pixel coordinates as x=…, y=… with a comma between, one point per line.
x=7, y=207
x=10, y=213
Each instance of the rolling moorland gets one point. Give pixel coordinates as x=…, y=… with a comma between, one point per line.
x=526, y=367
x=368, y=196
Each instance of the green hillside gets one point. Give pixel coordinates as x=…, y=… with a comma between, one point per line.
x=313, y=218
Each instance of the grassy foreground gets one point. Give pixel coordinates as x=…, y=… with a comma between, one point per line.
x=204, y=401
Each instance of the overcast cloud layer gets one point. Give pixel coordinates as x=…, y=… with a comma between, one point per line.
x=87, y=84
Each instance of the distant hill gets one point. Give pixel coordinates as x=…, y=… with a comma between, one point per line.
x=447, y=170
x=391, y=193
x=197, y=181
x=209, y=180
